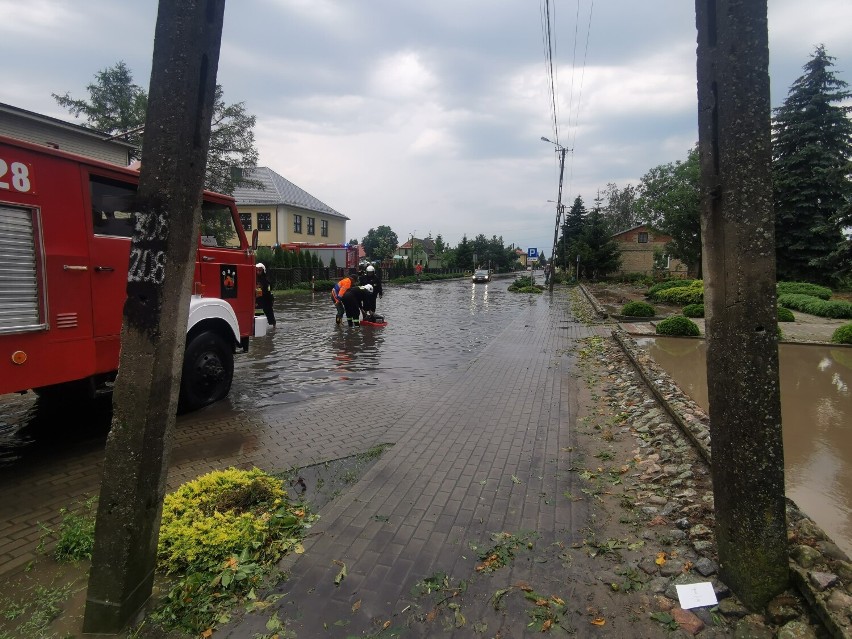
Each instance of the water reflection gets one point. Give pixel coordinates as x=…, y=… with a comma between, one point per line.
x=432, y=327
x=816, y=413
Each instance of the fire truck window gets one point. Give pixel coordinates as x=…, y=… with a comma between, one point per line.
x=217, y=226
x=113, y=203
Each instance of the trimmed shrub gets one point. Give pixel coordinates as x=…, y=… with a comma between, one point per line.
x=223, y=513
x=638, y=309
x=693, y=310
x=843, y=335
x=785, y=315
x=682, y=295
x=678, y=325
x=803, y=288
x=662, y=286
x=836, y=309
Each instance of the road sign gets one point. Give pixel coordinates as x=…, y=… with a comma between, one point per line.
x=532, y=252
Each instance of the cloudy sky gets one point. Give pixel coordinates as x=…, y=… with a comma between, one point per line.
x=427, y=116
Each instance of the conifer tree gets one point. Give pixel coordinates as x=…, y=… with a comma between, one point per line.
x=812, y=147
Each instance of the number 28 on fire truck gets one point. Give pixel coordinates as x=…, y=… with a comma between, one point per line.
x=66, y=223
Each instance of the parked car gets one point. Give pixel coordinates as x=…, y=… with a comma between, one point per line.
x=481, y=275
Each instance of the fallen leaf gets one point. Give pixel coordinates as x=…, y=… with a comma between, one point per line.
x=207, y=633
x=299, y=549
x=557, y=600
x=661, y=559
x=432, y=615
x=356, y=606
x=386, y=625
x=546, y=625
x=342, y=574
x=523, y=585
x=542, y=602
x=515, y=480
x=598, y=621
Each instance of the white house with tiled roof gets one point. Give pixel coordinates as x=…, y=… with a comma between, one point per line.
x=283, y=213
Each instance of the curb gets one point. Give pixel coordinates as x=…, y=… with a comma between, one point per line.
x=818, y=571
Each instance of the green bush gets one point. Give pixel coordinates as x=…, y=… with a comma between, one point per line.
x=220, y=536
x=662, y=286
x=843, y=335
x=785, y=315
x=638, y=309
x=816, y=306
x=803, y=288
x=678, y=325
x=693, y=310
x=682, y=295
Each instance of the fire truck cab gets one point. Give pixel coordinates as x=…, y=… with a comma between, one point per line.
x=66, y=223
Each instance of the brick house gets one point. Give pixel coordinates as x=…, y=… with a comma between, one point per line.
x=638, y=245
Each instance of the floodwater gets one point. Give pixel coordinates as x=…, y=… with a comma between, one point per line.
x=816, y=414
x=431, y=327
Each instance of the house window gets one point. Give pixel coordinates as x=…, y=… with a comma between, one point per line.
x=245, y=220
x=324, y=228
x=643, y=237
x=297, y=224
x=311, y=222
x=264, y=221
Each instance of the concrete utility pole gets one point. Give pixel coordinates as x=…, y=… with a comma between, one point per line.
x=737, y=228
x=174, y=157
x=561, y=150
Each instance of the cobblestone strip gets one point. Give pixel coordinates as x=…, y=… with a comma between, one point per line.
x=483, y=450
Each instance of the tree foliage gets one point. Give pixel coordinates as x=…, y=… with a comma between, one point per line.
x=669, y=202
x=380, y=243
x=117, y=106
x=600, y=252
x=620, y=210
x=812, y=147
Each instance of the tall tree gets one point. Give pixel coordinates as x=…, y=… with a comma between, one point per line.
x=117, y=106
x=812, y=147
x=669, y=201
x=620, y=211
x=464, y=253
x=601, y=254
x=380, y=243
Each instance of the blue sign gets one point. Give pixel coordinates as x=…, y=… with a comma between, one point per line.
x=532, y=252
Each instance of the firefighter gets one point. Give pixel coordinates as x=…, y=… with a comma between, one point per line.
x=337, y=294
x=353, y=302
x=371, y=277
x=263, y=295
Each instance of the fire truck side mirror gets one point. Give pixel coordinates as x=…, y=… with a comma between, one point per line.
x=254, y=240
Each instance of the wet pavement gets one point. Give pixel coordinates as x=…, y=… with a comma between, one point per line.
x=308, y=392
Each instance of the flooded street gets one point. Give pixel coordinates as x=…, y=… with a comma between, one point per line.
x=816, y=408
x=431, y=326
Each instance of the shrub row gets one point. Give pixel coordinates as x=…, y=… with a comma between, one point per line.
x=662, y=286
x=693, y=293
x=638, y=309
x=816, y=306
x=803, y=288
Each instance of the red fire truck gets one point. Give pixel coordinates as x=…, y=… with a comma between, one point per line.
x=66, y=222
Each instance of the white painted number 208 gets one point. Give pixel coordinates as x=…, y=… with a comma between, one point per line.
x=19, y=174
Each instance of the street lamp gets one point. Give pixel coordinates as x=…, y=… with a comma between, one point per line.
x=561, y=150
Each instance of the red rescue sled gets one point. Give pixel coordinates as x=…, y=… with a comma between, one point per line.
x=377, y=320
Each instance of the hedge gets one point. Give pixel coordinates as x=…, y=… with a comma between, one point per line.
x=693, y=310
x=803, y=288
x=785, y=315
x=836, y=309
x=682, y=295
x=662, y=286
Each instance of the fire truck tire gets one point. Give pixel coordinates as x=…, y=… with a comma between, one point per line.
x=208, y=369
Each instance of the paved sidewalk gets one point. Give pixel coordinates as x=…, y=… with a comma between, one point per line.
x=485, y=449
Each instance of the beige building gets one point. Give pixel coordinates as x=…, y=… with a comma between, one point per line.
x=58, y=134
x=283, y=213
x=638, y=247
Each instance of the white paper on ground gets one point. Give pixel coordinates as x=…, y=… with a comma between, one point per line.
x=695, y=595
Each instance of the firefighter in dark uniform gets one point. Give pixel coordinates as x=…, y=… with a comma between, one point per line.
x=353, y=302
x=369, y=276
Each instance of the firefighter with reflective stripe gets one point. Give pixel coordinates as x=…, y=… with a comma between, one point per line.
x=337, y=294
x=373, y=279
x=353, y=302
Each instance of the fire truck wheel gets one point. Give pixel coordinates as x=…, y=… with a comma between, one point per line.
x=208, y=369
